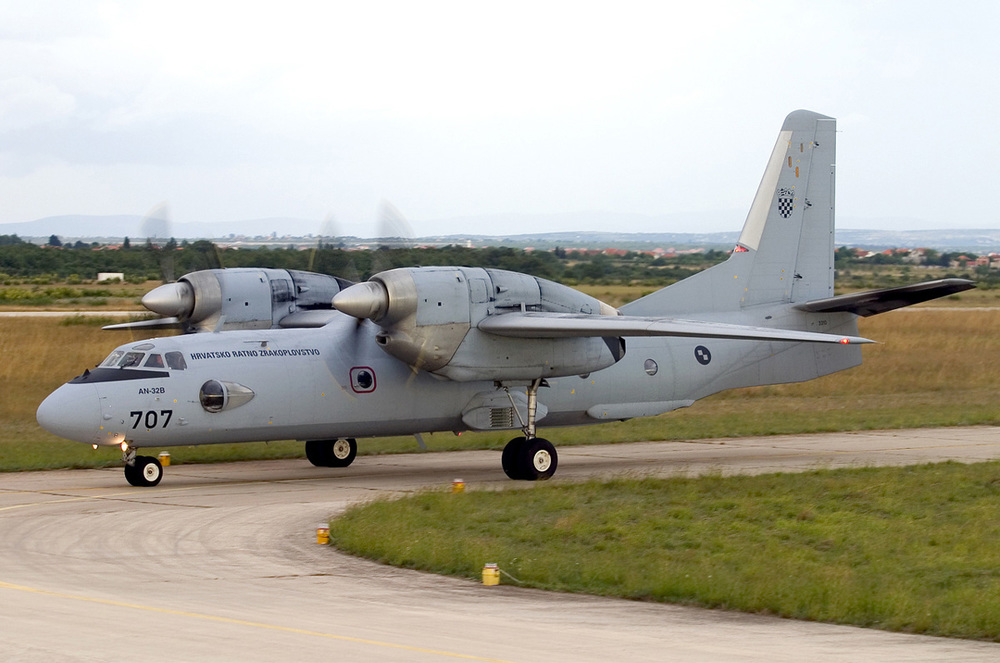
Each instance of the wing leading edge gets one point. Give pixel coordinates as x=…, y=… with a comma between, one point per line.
x=564, y=325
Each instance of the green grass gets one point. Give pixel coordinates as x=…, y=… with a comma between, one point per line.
x=910, y=549
x=930, y=368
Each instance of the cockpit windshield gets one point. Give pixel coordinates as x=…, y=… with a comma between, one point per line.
x=113, y=358
x=134, y=359
x=131, y=359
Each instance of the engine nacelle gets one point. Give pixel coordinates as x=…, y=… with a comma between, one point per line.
x=245, y=298
x=429, y=318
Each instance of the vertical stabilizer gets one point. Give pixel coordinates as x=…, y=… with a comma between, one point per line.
x=785, y=252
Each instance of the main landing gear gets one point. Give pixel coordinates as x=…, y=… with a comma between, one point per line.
x=529, y=458
x=142, y=471
x=331, y=453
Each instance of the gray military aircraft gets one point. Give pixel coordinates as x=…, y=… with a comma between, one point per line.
x=296, y=355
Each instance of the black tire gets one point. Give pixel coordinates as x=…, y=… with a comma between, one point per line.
x=317, y=451
x=132, y=475
x=513, y=465
x=331, y=453
x=146, y=472
x=539, y=460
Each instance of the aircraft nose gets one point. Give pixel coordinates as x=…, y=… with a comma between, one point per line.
x=72, y=411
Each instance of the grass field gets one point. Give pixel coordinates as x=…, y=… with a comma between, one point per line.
x=63, y=296
x=930, y=368
x=910, y=549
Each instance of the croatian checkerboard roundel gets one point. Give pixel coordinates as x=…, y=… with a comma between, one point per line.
x=786, y=202
x=702, y=354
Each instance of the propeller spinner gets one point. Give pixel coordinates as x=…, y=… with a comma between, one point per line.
x=368, y=300
x=171, y=299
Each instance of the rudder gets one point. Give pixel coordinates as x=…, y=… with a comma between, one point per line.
x=785, y=252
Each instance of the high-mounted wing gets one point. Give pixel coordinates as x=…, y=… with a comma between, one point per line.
x=152, y=323
x=563, y=325
x=873, y=302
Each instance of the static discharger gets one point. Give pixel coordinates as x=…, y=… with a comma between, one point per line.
x=458, y=486
x=323, y=534
x=491, y=574
x=164, y=458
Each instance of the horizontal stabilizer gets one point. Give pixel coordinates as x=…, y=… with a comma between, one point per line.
x=565, y=325
x=887, y=299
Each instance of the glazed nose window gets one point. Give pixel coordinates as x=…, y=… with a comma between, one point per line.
x=216, y=396
x=212, y=396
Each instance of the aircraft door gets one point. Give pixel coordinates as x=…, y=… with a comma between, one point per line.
x=479, y=296
x=478, y=293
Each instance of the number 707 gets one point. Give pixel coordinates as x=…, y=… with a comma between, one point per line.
x=150, y=418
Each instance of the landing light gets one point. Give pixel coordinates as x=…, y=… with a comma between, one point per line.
x=124, y=446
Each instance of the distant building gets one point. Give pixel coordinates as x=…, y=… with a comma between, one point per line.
x=110, y=276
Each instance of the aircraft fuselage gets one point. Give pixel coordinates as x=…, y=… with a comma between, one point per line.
x=334, y=382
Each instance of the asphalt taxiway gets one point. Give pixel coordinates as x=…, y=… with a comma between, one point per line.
x=220, y=563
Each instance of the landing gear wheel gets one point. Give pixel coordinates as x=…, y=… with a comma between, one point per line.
x=331, y=453
x=317, y=451
x=529, y=460
x=343, y=452
x=132, y=475
x=511, y=460
x=146, y=472
x=539, y=460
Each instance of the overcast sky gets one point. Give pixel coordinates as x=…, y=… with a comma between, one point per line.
x=246, y=110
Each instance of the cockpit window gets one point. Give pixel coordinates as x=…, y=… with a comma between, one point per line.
x=175, y=360
x=154, y=361
x=113, y=358
x=131, y=359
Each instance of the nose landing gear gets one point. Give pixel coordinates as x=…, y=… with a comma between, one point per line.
x=141, y=471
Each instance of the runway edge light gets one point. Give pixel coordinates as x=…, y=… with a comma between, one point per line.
x=323, y=534
x=491, y=574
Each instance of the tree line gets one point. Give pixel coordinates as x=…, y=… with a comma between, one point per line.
x=139, y=262
x=148, y=261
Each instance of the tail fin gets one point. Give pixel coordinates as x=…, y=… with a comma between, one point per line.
x=785, y=252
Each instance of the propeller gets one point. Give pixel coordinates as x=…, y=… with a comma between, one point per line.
x=393, y=231
x=156, y=227
x=327, y=230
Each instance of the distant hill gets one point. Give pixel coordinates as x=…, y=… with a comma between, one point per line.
x=78, y=226
x=293, y=230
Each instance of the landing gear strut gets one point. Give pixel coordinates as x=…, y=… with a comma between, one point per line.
x=529, y=458
x=141, y=471
x=331, y=453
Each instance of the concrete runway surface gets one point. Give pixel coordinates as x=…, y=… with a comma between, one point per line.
x=220, y=563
